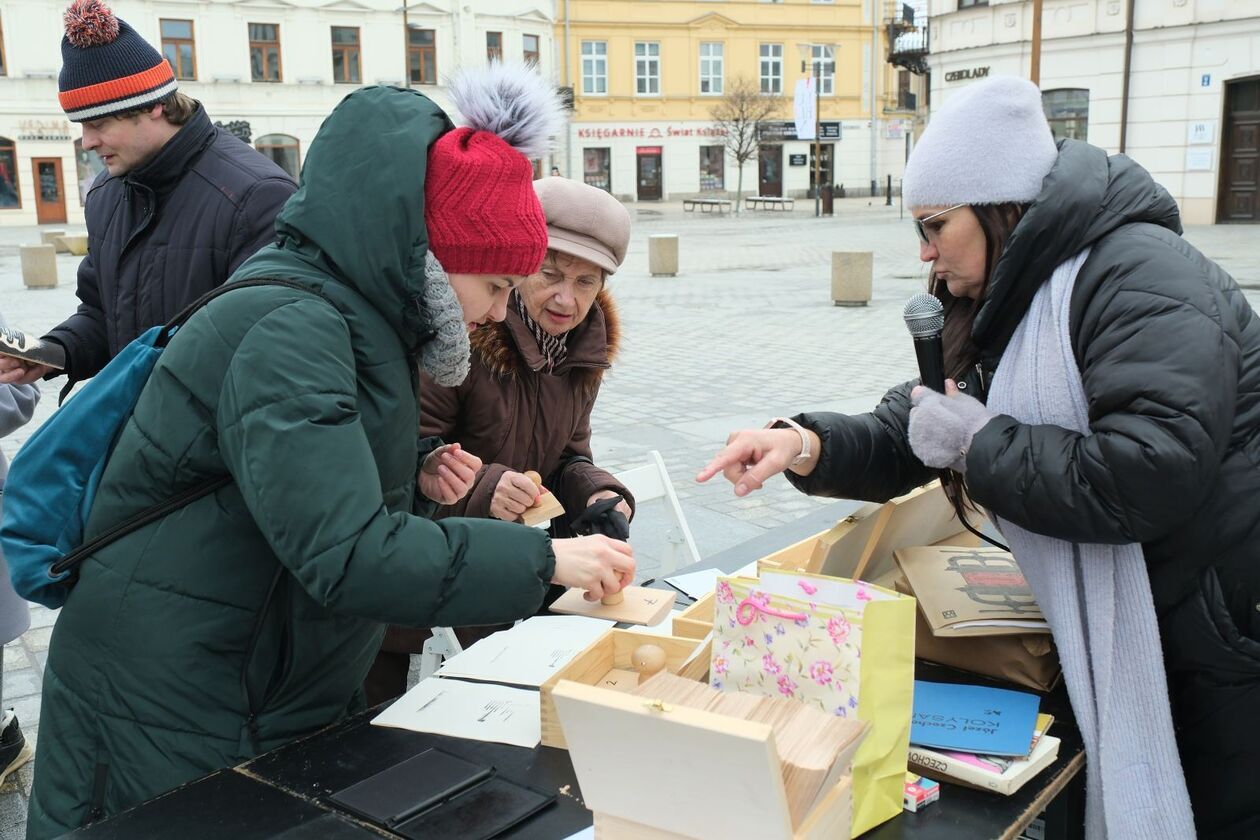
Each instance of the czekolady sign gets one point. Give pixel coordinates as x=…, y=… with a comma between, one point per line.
x=971, y=73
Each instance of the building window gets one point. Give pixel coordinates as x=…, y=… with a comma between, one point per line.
x=422, y=56
x=494, y=46
x=531, y=51
x=264, y=52
x=90, y=165
x=178, y=47
x=710, y=67
x=9, y=196
x=345, y=54
x=967, y=4
x=1067, y=111
x=282, y=149
x=596, y=168
x=824, y=58
x=647, y=67
x=712, y=168
x=772, y=68
x=4, y=66
x=594, y=67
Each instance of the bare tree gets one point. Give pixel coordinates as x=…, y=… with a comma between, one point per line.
x=737, y=115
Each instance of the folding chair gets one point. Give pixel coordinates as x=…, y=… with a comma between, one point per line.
x=650, y=482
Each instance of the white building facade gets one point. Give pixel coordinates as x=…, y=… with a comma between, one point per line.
x=272, y=69
x=1193, y=105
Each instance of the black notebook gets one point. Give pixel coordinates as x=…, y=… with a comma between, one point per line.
x=436, y=794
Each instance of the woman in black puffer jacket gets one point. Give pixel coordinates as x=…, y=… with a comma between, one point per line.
x=1165, y=353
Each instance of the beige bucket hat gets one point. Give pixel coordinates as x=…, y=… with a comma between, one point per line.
x=584, y=221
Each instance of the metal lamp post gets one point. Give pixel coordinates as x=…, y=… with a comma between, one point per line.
x=810, y=63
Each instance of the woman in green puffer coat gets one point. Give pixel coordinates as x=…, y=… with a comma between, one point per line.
x=250, y=617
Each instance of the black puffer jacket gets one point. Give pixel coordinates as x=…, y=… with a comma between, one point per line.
x=162, y=235
x=1169, y=353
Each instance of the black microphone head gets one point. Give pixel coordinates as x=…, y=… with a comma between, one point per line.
x=925, y=316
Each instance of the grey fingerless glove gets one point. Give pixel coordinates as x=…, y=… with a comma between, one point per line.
x=941, y=427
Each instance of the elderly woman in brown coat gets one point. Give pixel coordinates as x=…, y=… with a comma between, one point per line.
x=526, y=403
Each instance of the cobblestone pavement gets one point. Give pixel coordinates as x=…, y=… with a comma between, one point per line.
x=745, y=332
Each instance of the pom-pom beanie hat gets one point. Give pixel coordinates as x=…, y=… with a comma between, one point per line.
x=480, y=208
x=106, y=67
x=989, y=144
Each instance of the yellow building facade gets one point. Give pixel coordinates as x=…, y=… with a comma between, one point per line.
x=647, y=74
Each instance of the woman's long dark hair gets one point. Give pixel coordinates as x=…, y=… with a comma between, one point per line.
x=961, y=354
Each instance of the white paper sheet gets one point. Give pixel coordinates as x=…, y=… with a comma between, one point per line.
x=479, y=711
x=698, y=584
x=529, y=653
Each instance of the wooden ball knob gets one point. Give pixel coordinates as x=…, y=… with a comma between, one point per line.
x=613, y=599
x=648, y=660
x=534, y=477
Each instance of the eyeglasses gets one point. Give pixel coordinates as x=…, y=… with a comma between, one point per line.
x=919, y=223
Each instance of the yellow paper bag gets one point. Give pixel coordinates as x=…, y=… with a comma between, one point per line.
x=845, y=646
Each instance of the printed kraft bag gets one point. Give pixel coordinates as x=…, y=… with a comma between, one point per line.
x=842, y=645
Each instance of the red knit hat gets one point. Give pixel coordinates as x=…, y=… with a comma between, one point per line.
x=480, y=208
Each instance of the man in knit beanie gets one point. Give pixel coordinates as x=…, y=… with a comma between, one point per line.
x=181, y=205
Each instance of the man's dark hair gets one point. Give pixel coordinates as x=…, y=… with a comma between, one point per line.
x=177, y=108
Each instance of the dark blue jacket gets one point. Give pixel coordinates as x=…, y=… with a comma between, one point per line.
x=162, y=235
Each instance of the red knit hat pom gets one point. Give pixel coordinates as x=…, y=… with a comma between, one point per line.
x=90, y=23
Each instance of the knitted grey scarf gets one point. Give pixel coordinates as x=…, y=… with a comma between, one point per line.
x=445, y=356
x=1097, y=599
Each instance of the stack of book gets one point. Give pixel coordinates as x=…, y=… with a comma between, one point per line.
x=986, y=738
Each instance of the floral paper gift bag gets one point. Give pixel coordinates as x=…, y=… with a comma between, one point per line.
x=845, y=646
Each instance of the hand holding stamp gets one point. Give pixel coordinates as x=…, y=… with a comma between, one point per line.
x=545, y=508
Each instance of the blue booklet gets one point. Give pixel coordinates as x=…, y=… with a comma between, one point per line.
x=973, y=718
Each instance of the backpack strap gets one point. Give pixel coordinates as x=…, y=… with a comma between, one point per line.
x=71, y=561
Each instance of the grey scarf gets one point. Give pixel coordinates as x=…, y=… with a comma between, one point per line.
x=445, y=356
x=554, y=348
x=1098, y=601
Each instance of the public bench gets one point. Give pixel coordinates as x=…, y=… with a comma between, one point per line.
x=706, y=205
x=768, y=202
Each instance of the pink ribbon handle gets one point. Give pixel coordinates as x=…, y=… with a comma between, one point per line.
x=746, y=612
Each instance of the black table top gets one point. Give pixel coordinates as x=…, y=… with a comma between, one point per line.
x=283, y=794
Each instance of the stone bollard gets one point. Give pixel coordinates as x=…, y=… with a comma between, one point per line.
x=75, y=245
x=39, y=266
x=663, y=254
x=49, y=237
x=851, y=277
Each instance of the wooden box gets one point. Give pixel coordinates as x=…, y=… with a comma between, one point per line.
x=612, y=651
x=859, y=547
x=656, y=771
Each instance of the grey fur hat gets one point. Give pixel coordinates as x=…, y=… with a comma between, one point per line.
x=989, y=144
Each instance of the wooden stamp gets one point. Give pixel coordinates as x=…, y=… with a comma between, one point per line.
x=546, y=508
x=640, y=605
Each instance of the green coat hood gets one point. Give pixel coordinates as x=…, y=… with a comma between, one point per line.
x=359, y=212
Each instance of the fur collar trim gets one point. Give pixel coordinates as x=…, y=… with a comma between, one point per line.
x=593, y=344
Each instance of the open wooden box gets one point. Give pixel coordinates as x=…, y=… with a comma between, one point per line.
x=665, y=772
x=859, y=547
x=611, y=652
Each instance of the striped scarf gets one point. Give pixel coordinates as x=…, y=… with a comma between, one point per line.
x=552, y=347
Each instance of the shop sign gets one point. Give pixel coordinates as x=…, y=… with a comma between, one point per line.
x=648, y=150
x=969, y=73
x=44, y=130
x=649, y=133
x=796, y=160
x=775, y=130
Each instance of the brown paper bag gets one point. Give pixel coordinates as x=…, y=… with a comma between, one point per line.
x=1027, y=659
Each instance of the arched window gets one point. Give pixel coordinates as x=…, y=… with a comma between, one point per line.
x=9, y=196
x=1067, y=111
x=90, y=165
x=281, y=148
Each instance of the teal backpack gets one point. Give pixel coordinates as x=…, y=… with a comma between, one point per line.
x=53, y=479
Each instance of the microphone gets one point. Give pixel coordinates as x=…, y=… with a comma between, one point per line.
x=925, y=318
